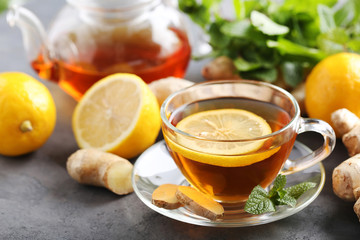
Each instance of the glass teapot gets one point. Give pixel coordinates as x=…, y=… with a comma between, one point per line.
x=90, y=39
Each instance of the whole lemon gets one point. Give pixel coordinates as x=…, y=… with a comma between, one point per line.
x=332, y=84
x=27, y=116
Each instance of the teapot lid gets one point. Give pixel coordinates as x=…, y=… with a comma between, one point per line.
x=109, y=4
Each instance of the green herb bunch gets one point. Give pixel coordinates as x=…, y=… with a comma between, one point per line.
x=261, y=201
x=268, y=40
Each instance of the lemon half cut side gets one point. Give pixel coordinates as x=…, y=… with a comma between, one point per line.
x=223, y=128
x=118, y=114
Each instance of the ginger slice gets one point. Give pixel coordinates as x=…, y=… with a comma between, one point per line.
x=199, y=203
x=164, y=197
x=118, y=177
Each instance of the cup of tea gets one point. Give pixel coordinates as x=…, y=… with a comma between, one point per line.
x=228, y=136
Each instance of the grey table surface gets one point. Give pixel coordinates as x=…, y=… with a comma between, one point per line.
x=38, y=199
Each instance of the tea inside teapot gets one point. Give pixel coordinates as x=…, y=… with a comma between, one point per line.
x=87, y=42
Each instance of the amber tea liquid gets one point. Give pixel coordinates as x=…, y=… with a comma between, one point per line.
x=75, y=77
x=234, y=184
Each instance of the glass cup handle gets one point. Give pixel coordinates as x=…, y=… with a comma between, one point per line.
x=319, y=126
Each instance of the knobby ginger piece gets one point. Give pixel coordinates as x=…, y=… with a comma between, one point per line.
x=220, y=68
x=164, y=196
x=344, y=121
x=199, y=203
x=162, y=88
x=346, y=179
x=98, y=168
x=351, y=140
x=357, y=208
x=347, y=125
x=346, y=176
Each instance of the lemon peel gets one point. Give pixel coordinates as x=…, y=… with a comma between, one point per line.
x=27, y=116
x=334, y=83
x=221, y=160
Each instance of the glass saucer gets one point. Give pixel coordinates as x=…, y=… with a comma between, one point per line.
x=155, y=167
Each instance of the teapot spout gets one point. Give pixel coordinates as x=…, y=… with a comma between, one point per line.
x=33, y=32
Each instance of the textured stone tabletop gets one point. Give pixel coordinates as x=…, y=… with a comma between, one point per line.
x=38, y=199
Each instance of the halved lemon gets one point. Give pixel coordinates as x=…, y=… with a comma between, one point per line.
x=218, y=130
x=118, y=114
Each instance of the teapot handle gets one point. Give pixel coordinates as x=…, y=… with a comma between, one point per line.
x=33, y=32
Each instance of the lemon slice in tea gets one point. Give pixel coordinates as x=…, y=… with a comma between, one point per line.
x=220, y=127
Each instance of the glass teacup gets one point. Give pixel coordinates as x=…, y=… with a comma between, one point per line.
x=215, y=166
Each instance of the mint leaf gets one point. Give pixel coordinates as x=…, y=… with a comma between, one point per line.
x=347, y=13
x=3, y=5
x=306, y=6
x=267, y=75
x=239, y=9
x=281, y=193
x=286, y=199
x=293, y=73
x=243, y=65
x=354, y=45
x=297, y=190
x=327, y=21
x=266, y=25
x=279, y=184
x=287, y=47
x=259, y=202
x=237, y=28
x=330, y=46
x=198, y=13
x=216, y=38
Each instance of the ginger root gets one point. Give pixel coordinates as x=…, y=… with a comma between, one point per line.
x=346, y=181
x=220, y=68
x=199, y=203
x=164, y=196
x=357, y=208
x=346, y=176
x=351, y=140
x=171, y=196
x=347, y=126
x=344, y=121
x=162, y=88
x=98, y=168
